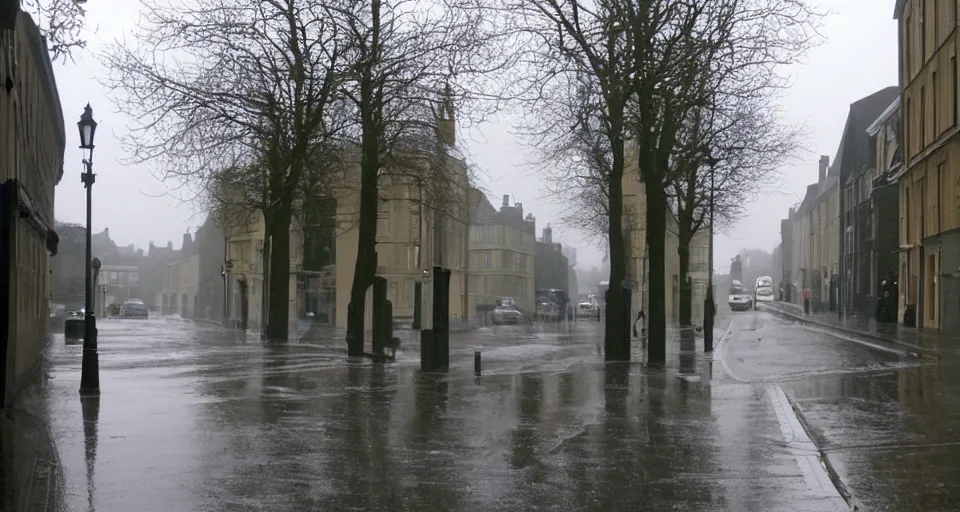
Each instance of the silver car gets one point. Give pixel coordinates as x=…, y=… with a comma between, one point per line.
x=506, y=315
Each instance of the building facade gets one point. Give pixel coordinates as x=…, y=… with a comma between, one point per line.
x=815, y=234
x=855, y=165
x=638, y=266
x=423, y=221
x=117, y=283
x=551, y=267
x=32, y=142
x=502, y=256
x=181, y=291
x=885, y=137
x=929, y=226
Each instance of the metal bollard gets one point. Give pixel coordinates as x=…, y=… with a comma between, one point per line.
x=476, y=362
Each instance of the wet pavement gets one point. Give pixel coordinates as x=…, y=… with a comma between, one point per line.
x=193, y=417
x=923, y=340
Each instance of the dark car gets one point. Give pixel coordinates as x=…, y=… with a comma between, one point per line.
x=133, y=308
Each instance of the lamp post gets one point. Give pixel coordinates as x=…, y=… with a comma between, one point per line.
x=709, y=302
x=90, y=370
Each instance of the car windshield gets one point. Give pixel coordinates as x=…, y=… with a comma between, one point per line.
x=738, y=290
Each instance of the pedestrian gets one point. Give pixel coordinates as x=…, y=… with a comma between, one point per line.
x=640, y=318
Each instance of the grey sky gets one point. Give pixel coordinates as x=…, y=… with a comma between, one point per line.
x=858, y=58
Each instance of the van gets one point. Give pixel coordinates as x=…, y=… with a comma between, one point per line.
x=763, y=291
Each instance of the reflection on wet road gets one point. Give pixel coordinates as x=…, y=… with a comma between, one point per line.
x=197, y=418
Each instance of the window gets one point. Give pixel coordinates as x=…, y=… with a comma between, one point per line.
x=933, y=104
x=938, y=189
x=486, y=259
x=923, y=30
x=923, y=118
x=953, y=90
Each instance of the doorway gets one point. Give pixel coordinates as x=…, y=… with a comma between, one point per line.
x=244, y=304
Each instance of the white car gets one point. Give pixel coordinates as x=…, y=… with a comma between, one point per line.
x=740, y=299
x=764, y=291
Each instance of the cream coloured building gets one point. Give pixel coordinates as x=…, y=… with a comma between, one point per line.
x=422, y=221
x=638, y=268
x=502, y=255
x=181, y=287
x=815, y=256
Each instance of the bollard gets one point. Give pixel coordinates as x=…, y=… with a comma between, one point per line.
x=476, y=362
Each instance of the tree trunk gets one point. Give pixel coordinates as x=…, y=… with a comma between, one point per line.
x=616, y=342
x=277, y=231
x=365, y=268
x=656, y=246
x=686, y=289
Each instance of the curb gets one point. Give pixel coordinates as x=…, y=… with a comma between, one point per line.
x=851, y=332
x=855, y=504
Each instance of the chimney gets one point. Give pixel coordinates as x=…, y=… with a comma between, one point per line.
x=187, y=239
x=792, y=211
x=824, y=165
x=506, y=200
x=170, y=246
x=519, y=207
x=106, y=231
x=548, y=235
x=140, y=252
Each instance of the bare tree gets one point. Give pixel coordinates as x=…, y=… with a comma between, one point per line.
x=728, y=153
x=247, y=86
x=731, y=142
x=581, y=51
x=574, y=150
x=403, y=54
x=62, y=23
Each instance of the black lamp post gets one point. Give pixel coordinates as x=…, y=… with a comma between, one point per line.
x=709, y=302
x=90, y=370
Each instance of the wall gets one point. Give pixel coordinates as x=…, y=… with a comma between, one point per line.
x=495, y=250
x=928, y=194
x=32, y=142
x=407, y=241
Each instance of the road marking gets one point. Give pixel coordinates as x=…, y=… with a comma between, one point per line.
x=804, y=450
x=720, y=354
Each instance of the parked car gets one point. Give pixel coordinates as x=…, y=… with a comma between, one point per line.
x=133, y=308
x=740, y=298
x=505, y=314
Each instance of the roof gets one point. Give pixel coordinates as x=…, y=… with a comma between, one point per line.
x=485, y=214
x=874, y=128
x=853, y=153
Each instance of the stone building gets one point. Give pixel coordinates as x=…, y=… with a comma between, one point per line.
x=929, y=237
x=502, y=255
x=32, y=142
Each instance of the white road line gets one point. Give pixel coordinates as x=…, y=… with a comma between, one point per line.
x=720, y=353
x=804, y=450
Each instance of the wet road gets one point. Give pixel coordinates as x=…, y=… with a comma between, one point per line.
x=195, y=418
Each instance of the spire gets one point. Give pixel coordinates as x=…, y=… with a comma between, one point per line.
x=446, y=121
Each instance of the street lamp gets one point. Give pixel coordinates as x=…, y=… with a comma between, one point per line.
x=709, y=302
x=90, y=370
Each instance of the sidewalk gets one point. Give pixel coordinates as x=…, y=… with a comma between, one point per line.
x=918, y=340
x=30, y=467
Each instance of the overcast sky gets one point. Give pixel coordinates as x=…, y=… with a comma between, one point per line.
x=858, y=58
